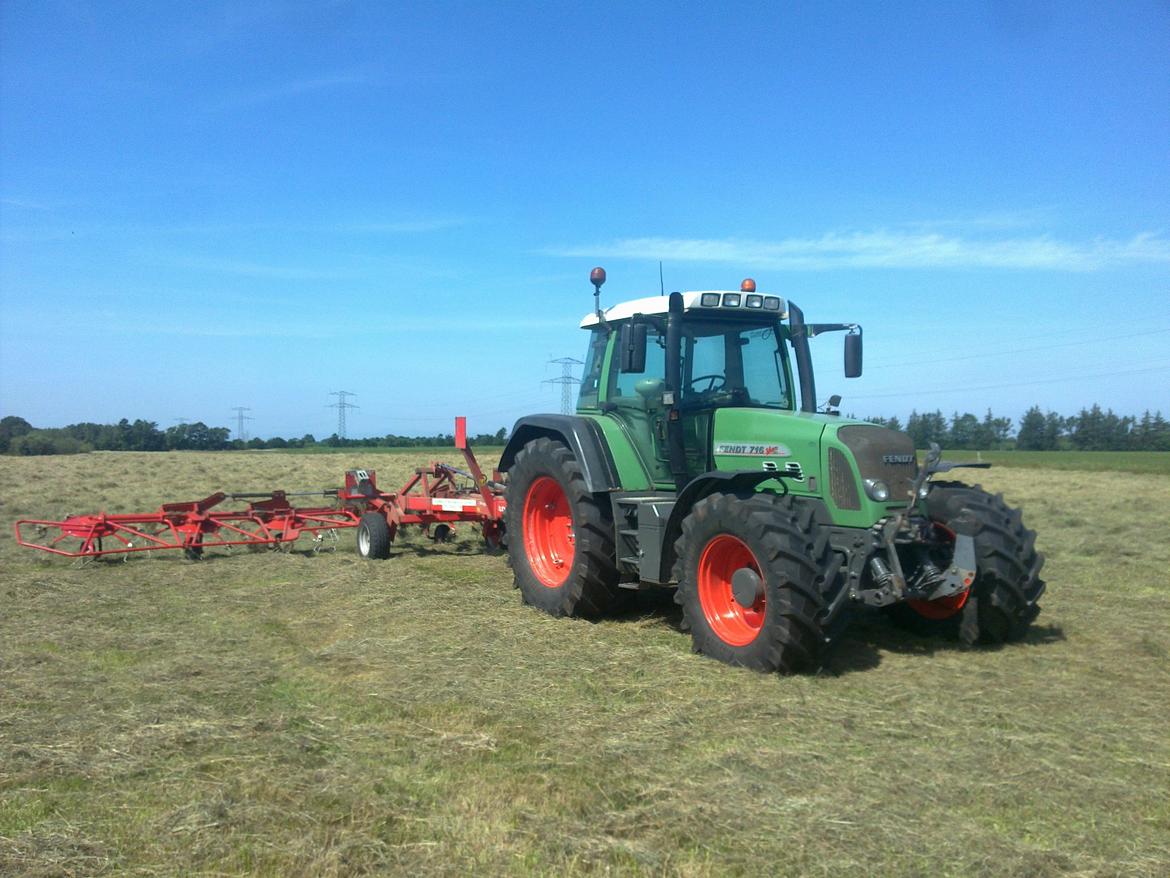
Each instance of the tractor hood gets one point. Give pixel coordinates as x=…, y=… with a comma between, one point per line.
x=751, y=438
x=823, y=455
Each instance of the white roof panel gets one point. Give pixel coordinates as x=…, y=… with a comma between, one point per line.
x=691, y=302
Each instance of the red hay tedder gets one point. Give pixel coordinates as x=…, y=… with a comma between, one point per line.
x=431, y=499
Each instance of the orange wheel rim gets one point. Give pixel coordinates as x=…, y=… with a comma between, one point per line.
x=549, y=542
x=942, y=608
x=731, y=622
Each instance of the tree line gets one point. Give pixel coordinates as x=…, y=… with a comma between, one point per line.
x=18, y=436
x=1090, y=429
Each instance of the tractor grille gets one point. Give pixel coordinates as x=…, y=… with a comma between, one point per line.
x=842, y=485
x=883, y=454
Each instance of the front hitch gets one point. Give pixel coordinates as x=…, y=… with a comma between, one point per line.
x=929, y=582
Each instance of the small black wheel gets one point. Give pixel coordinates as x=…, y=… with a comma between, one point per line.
x=441, y=533
x=561, y=537
x=193, y=551
x=373, y=536
x=1003, y=600
x=494, y=538
x=755, y=576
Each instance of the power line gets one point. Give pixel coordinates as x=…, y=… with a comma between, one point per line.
x=567, y=382
x=1062, y=379
x=240, y=418
x=986, y=354
x=341, y=405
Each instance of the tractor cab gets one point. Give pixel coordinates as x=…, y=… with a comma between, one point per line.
x=730, y=350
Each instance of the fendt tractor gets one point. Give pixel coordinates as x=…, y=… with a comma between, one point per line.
x=698, y=460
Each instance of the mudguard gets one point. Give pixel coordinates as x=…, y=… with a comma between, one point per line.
x=696, y=489
x=582, y=436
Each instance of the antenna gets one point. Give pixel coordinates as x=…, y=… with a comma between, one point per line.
x=341, y=405
x=567, y=381
x=240, y=418
x=661, y=285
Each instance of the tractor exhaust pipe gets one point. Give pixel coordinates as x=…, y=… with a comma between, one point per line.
x=671, y=398
x=798, y=335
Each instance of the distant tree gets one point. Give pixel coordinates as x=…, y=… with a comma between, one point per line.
x=1095, y=430
x=145, y=436
x=197, y=437
x=1054, y=429
x=994, y=432
x=1032, y=435
x=47, y=442
x=11, y=427
x=1151, y=433
x=890, y=423
x=926, y=428
x=965, y=431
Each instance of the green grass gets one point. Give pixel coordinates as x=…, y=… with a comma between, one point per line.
x=298, y=714
x=1155, y=462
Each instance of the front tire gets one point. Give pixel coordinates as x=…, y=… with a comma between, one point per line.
x=561, y=537
x=1002, y=602
x=753, y=573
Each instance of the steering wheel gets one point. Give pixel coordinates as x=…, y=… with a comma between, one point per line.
x=711, y=383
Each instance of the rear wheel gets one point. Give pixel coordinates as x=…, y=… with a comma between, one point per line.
x=373, y=536
x=561, y=537
x=1002, y=602
x=753, y=574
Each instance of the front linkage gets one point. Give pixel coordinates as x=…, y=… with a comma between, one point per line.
x=922, y=542
x=967, y=568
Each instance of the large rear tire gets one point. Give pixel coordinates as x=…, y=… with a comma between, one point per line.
x=561, y=537
x=1003, y=600
x=755, y=574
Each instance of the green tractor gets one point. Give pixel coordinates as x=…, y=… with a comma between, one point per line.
x=698, y=460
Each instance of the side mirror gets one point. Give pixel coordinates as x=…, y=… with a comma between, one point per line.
x=632, y=348
x=853, y=355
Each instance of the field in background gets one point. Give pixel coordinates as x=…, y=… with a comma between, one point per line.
x=1091, y=461
x=298, y=714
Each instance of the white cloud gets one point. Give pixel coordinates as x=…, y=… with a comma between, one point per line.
x=889, y=249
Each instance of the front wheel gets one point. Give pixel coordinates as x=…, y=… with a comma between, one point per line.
x=753, y=574
x=1002, y=602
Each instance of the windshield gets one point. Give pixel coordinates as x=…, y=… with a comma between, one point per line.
x=727, y=363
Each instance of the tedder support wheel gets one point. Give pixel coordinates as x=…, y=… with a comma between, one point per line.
x=1002, y=602
x=373, y=536
x=560, y=536
x=755, y=573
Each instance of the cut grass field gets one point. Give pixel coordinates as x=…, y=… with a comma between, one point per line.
x=297, y=714
x=1091, y=461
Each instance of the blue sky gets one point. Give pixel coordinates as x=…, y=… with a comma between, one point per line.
x=252, y=204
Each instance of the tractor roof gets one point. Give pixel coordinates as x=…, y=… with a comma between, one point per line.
x=693, y=301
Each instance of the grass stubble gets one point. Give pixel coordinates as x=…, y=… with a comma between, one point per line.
x=299, y=714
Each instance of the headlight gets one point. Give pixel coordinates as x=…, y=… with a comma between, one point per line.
x=924, y=490
x=877, y=490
